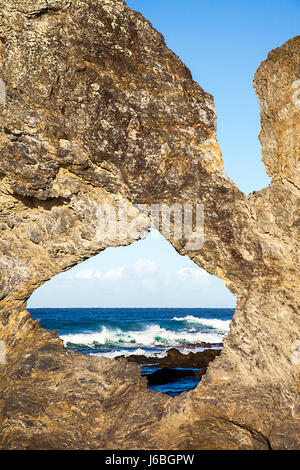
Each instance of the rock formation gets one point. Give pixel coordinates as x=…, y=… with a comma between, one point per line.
x=94, y=106
x=175, y=358
x=174, y=365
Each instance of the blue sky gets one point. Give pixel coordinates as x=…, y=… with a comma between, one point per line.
x=223, y=44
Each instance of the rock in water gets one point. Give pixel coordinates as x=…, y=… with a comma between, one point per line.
x=175, y=358
x=95, y=109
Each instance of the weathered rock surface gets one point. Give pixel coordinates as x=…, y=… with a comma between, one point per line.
x=97, y=107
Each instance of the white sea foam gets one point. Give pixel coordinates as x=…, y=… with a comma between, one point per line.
x=143, y=352
x=131, y=352
x=220, y=325
x=152, y=335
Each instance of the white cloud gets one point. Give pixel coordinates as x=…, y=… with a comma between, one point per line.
x=90, y=274
x=114, y=274
x=193, y=275
x=145, y=267
x=87, y=274
x=146, y=276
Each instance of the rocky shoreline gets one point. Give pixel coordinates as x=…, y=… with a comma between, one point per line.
x=175, y=365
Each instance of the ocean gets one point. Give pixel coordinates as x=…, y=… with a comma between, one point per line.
x=112, y=332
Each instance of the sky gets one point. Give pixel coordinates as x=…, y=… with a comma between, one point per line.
x=223, y=44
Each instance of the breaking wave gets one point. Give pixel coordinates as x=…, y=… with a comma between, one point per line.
x=217, y=324
x=150, y=336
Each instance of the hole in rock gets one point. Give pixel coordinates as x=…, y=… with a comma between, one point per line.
x=145, y=302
